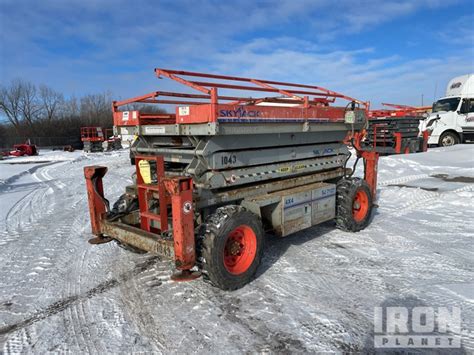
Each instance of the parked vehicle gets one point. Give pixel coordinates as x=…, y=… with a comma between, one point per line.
x=452, y=118
x=396, y=135
x=98, y=139
x=20, y=150
x=92, y=138
x=397, y=110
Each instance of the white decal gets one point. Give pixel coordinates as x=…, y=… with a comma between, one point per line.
x=187, y=207
x=184, y=111
x=155, y=130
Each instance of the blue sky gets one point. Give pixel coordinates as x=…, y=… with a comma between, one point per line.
x=382, y=51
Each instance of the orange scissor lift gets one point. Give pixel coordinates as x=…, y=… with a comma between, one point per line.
x=96, y=139
x=225, y=168
x=92, y=139
x=397, y=130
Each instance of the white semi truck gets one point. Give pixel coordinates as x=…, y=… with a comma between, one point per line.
x=452, y=119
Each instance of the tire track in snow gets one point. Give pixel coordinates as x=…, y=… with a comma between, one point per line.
x=49, y=232
x=80, y=316
x=142, y=298
x=4, y=184
x=403, y=179
x=30, y=201
x=422, y=198
x=74, y=318
x=35, y=229
x=138, y=307
x=69, y=302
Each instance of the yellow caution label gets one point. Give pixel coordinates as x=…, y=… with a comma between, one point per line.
x=284, y=169
x=145, y=171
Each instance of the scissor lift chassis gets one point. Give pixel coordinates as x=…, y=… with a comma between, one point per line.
x=252, y=198
x=194, y=179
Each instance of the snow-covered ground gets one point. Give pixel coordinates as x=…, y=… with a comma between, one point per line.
x=315, y=291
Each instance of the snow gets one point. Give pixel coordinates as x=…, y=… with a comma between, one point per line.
x=315, y=290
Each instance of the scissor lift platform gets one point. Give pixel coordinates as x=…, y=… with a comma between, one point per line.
x=215, y=174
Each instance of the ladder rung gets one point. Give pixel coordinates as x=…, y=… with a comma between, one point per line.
x=154, y=187
x=150, y=215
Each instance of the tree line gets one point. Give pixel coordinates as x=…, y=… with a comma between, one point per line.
x=31, y=110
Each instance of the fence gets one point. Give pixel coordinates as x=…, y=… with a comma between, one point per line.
x=45, y=142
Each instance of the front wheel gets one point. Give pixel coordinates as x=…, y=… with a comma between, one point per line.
x=353, y=204
x=448, y=139
x=230, y=247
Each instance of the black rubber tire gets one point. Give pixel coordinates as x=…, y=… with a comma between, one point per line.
x=124, y=205
x=119, y=205
x=345, y=194
x=211, y=243
x=448, y=135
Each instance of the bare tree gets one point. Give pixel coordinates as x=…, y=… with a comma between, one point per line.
x=2, y=133
x=39, y=111
x=71, y=107
x=29, y=104
x=51, y=103
x=10, y=103
x=19, y=102
x=96, y=109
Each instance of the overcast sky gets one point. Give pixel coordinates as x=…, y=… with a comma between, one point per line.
x=382, y=51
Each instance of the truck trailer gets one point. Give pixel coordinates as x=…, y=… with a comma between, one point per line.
x=224, y=169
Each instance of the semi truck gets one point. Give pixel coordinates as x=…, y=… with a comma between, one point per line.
x=452, y=118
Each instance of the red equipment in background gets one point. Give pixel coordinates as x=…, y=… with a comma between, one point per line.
x=396, y=131
x=399, y=111
x=92, y=138
x=23, y=149
x=92, y=134
x=96, y=139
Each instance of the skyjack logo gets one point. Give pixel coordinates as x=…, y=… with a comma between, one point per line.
x=240, y=113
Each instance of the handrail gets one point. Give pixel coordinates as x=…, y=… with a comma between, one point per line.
x=208, y=92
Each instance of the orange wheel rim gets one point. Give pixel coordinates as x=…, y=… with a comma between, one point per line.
x=360, y=206
x=240, y=249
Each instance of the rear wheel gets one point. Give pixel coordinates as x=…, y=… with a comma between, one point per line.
x=230, y=247
x=448, y=139
x=354, y=204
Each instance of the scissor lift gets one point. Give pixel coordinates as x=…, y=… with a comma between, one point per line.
x=396, y=130
x=92, y=139
x=396, y=135
x=222, y=170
